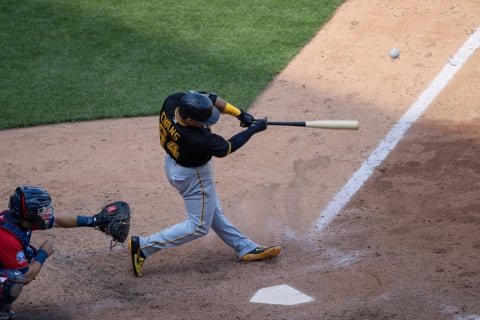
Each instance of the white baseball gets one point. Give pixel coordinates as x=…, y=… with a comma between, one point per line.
x=394, y=53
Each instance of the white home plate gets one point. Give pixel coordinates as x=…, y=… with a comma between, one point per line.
x=282, y=294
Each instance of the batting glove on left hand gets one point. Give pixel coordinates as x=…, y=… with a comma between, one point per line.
x=246, y=119
x=260, y=125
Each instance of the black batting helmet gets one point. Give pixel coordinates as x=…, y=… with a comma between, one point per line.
x=32, y=204
x=198, y=107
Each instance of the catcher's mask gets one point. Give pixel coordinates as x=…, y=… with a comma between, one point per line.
x=198, y=107
x=32, y=204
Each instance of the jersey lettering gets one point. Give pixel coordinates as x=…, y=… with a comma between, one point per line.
x=189, y=146
x=173, y=148
x=169, y=135
x=163, y=135
x=169, y=127
x=174, y=133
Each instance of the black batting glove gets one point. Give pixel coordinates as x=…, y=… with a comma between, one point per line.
x=259, y=125
x=246, y=119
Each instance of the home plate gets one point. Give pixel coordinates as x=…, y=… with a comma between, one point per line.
x=282, y=294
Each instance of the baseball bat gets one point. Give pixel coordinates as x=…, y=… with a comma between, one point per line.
x=320, y=124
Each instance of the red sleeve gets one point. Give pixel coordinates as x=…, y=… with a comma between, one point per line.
x=11, y=251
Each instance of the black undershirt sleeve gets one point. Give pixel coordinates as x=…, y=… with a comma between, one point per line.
x=241, y=138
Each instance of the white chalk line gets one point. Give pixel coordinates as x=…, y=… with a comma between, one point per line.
x=382, y=151
x=396, y=133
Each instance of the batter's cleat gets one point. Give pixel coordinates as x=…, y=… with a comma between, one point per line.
x=261, y=253
x=137, y=256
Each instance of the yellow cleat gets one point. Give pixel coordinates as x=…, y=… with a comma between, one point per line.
x=137, y=256
x=261, y=253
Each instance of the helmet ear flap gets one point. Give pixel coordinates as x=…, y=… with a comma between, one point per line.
x=23, y=205
x=17, y=205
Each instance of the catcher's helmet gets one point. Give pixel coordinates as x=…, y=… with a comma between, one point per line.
x=198, y=107
x=32, y=204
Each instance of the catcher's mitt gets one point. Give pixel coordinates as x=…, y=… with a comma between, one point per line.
x=114, y=220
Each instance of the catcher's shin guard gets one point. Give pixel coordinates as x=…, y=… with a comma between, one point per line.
x=11, y=285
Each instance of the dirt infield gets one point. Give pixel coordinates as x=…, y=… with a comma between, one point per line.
x=407, y=245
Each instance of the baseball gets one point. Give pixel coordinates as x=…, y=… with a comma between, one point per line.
x=394, y=53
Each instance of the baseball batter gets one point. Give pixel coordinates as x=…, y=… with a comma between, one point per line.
x=185, y=135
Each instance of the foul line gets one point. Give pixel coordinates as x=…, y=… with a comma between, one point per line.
x=398, y=130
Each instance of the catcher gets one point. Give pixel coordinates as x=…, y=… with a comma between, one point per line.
x=30, y=209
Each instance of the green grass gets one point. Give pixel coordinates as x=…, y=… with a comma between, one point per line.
x=82, y=60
